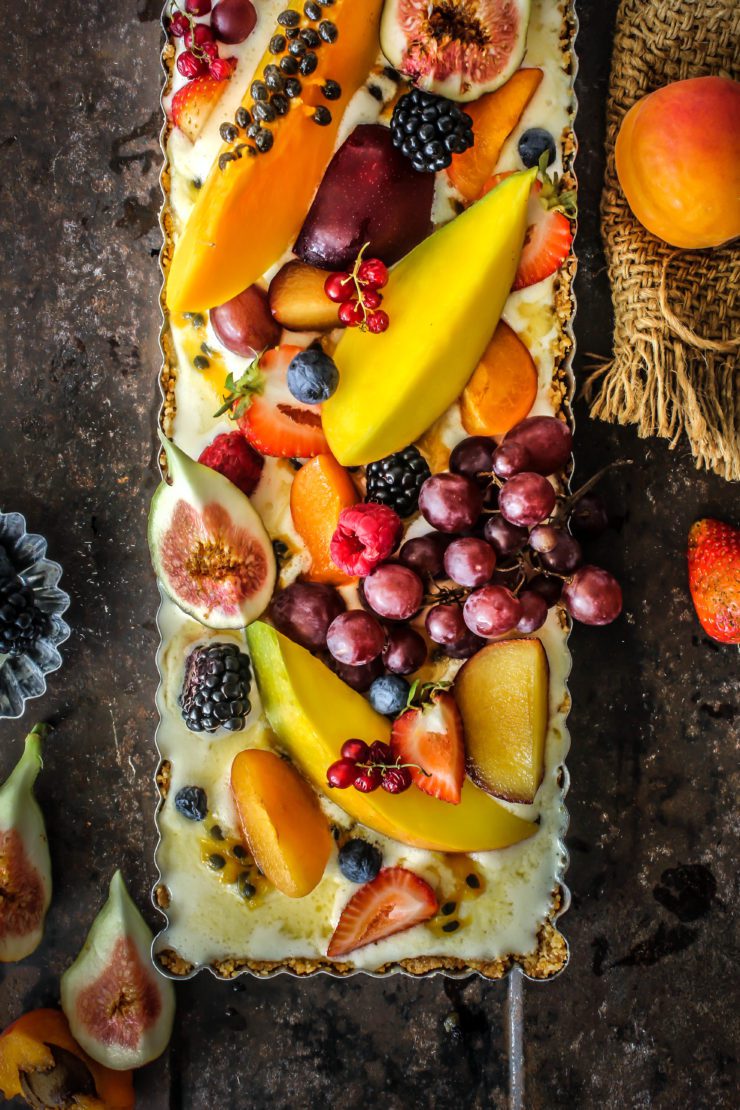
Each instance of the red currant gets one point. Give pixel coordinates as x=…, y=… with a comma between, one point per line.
x=190, y=66
x=198, y=35
x=351, y=314
x=198, y=7
x=356, y=750
x=378, y=321
x=396, y=780
x=373, y=272
x=338, y=287
x=222, y=68
x=342, y=774
x=368, y=780
x=178, y=25
x=380, y=753
x=372, y=298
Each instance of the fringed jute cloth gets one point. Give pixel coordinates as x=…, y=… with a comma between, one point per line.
x=675, y=368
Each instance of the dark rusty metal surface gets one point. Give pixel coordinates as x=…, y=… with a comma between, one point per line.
x=644, y=1015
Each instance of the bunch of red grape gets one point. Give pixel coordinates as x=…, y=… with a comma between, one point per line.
x=357, y=292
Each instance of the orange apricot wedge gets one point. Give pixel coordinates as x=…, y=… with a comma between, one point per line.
x=494, y=118
x=503, y=387
x=281, y=820
x=320, y=490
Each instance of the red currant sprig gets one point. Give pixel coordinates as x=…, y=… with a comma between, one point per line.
x=357, y=292
x=368, y=767
x=200, y=55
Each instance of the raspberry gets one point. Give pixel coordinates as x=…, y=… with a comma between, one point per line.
x=365, y=536
x=232, y=456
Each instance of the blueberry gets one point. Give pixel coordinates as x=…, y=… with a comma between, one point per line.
x=191, y=802
x=312, y=377
x=534, y=143
x=359, y=861
x=389, y=694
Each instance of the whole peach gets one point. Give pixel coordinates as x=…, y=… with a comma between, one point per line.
x=678, y=161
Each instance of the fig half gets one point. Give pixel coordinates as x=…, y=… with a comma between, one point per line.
x=25, y=867
x=209, y=548
x=119, y=1008
x=455, y=48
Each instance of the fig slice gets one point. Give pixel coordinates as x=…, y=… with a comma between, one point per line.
x=25, y=867
x=209, y=548
x=119, y=1008
x=455, y=48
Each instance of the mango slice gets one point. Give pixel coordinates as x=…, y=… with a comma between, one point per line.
x=313, y=712
x=248, y=213
x=444, y=300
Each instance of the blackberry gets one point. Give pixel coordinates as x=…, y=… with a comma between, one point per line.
x=396, y=480
x=429, y=129
x=215, y=690
x=22, y=624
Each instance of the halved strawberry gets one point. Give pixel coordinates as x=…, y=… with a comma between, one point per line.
x=268, y=413
x=394, y=901
x=431, y=738
x=193, y=104
x=549, y=233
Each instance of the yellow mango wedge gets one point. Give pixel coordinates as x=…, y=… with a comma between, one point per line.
x=249, y=213
x=312, y=713
x=444, y=300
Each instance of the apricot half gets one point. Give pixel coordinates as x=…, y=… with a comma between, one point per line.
x=281, y=820
x=320, y=490
x=503, y=387
x=502, y=693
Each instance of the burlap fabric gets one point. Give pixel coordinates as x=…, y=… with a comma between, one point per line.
x=676, y=338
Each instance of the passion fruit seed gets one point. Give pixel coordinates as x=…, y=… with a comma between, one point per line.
x=331, y=90
x=242, y=118
x=322, y=116
x=278, y=44
x=289, y=18
x=289, y=65
x=328, y=31
x=312, y=10
x=310, y=37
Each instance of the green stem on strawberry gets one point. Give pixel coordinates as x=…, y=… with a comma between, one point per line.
x=239, y=392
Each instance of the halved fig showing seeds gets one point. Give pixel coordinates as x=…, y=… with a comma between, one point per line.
x=455, y=48
x=209, y=547
x=25, y=867
x=119, y=1008
x=41, y=1062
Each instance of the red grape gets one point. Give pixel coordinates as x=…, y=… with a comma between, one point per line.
x=504, y=538
x=544, y=537
x=425, y=554
x=510, y=459
x=548, y=440
x=355, y=638
x=534, y=612
x=244, y=324
x=396, y=780
x=589, y=516
x=473, y=458
x=464, y=648
x=405, y=650
x=393, y=591
x=303, y=612
x=355, y=749
x=526, y=499
x=198, y=7
x=492, y=611
x=233, y=20
x=368, y=780
x=507, y=576
x=359, y=678
x=565, y=556
x=379, y=752
x=470, y=561
x=445, y=623
x=547, y=587
x=450, y=502
x=342, y=773
x=593, y=596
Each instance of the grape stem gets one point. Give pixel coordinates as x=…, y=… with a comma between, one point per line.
x=567, y=503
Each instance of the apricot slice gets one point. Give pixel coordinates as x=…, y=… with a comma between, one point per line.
x=281, y=820
x=503, y=387
x=298, y=301
x=494, y=118
x=502, y=693
x=320, y=490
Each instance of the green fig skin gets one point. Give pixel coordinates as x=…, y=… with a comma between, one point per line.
x=120, y=1008
x=24, y=852
x=200, y=488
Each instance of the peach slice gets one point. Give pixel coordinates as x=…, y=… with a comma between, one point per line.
x=502, y=693
x=281, y=820
x=503, y=387
x=320, y=490
x=298, y=301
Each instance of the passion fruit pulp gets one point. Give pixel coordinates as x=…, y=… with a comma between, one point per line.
x=460, y=49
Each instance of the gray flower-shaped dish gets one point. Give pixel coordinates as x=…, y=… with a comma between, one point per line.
x=24, y=676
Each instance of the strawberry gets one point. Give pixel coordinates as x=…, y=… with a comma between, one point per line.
x=549, y=234
x=714, y=578
x=429, y=738
x=268, y=413
x=395, y=900
x=193, y=104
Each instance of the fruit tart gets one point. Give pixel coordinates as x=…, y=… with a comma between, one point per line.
x=361, y=534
